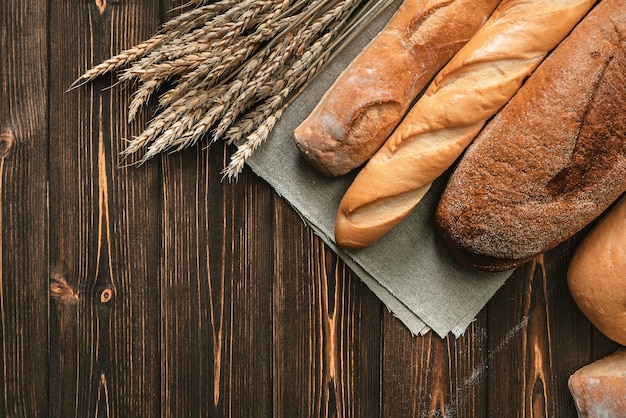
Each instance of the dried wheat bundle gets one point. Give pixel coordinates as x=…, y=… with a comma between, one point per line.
x=228, y=69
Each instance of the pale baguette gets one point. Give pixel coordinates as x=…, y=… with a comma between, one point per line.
x=468, y=91
x=370, y=97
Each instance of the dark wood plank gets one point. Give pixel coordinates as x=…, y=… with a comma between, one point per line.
x=209, y=253
x=521, y=363
x=105, y=232
x=326, y=329
x=434, y=377
x=246, y=385
x=216, y=286
x=23, y=217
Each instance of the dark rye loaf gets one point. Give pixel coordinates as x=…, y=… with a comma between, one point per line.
x=552, y=160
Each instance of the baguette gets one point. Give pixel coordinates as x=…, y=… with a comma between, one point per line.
x=468, y=91
x=367, y=101
x=597, y=274
x=552, y=160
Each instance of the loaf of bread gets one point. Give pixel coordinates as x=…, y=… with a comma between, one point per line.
x=599, y=388
x=367, y=101
x=552, y=160
x=597, y=274
x=468, y=91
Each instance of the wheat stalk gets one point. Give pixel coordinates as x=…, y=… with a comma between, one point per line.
x=230, y=69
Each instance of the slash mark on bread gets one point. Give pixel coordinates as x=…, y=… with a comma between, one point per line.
x=558, y=185
x=418, y=29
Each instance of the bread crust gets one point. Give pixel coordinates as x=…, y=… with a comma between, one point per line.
x=468, y=91
x=367, y=101
x=599, y=388
x=552, y=160
x=597, y=274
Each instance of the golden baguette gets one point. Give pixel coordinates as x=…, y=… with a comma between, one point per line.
x=468, y=91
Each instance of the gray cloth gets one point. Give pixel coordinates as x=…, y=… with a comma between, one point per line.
x=409, y=269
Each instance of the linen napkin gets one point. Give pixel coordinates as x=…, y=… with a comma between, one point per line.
x=409, y=269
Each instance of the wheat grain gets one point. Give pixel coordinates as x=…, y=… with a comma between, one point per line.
x=231, y=68
x=120, y=60
x=253, y=142
x=286, y=50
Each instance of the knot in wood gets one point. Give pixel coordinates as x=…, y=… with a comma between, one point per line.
x=106, y=295
x=62, y=291
x=6, y=143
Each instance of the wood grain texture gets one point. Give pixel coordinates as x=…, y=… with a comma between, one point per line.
x=23, y=211
x=326, y=329
x=446, y=377
x=162, y=291
x=216, y=308
x=105, y=225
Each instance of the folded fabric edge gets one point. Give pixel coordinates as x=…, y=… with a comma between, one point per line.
x=457, y=330
x=411, y=319
x=467, y=320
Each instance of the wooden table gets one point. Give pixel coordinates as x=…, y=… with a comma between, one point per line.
x=162, y=291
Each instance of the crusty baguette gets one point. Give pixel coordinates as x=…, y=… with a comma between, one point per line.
x=552, y=160
x=468, y=91
x=367, y=101
x=597, y=274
